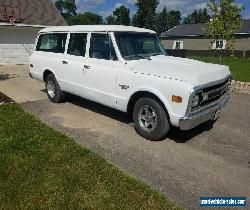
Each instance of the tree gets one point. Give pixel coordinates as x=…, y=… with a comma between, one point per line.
x=66, y=7
x=226, y=21
x=205, y=16
x=135, y=20
x=87, y=18
x=162, y=21
x=174, y=18
x=146, y=13
x=195, y=17
x=110, y=20
x=120, y=16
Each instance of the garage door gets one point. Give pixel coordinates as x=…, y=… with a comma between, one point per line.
x=15, y=53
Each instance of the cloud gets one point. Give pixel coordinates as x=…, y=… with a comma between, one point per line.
x=118, y=4
x=110, y=10
x=185, y=6
x=85, y=5
x=131, y=1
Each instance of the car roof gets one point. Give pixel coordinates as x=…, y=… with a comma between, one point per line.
x=96, y=28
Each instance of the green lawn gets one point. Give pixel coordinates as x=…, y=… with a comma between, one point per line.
x=240, y=68
x=41, y=168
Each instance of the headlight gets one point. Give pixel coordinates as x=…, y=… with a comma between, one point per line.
x=196, y=100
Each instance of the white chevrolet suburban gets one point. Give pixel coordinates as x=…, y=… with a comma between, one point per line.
x=127, y=68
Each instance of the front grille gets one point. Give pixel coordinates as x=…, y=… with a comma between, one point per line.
x=214, y=92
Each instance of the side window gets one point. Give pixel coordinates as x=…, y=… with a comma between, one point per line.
x=52, y=43
x=77, y=44
x=101, y=47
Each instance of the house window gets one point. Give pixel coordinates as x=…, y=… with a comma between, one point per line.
x=178, y=45
x=219, y=44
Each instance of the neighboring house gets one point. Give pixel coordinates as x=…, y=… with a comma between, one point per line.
x=192, y=37
x=20, y=21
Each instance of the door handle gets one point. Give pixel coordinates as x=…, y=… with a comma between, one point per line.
x=65, y=62
x=87, y=67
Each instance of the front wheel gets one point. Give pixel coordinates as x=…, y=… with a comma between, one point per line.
x=150, y=119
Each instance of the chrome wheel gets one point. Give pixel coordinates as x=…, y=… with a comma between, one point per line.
x=147, y=118
x=51, y=89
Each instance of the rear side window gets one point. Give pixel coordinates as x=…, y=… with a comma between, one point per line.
x=101, y=47
x=77, y=44
x=52, y=42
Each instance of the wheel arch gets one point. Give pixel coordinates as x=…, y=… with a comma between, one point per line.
x=145, y=93
x=46, y=73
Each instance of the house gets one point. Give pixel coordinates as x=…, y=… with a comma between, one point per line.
x=192, y=37
x=20, y=21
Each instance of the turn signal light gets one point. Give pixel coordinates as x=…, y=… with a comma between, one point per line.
x=177, y=99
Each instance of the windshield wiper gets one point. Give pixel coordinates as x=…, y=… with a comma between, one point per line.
x=155, y=54
x=137, y=56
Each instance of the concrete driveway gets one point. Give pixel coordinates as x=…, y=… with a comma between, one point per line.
x=15, y=83
x=187, y=165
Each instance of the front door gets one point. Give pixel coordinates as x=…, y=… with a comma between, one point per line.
x=101, y=70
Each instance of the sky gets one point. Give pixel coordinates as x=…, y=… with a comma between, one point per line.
x=106, y=7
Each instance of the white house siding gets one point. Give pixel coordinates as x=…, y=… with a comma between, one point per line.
x=16, y=43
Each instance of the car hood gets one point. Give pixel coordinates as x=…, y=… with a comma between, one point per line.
x=188, y=70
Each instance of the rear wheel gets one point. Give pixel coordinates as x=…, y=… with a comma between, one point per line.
x=150, y=119
x=54, y=92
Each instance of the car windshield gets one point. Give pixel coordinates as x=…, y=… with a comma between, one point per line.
x=134, y=46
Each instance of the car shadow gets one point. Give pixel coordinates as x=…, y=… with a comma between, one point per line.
x=5, y=76
x=181, y=137
x=175, y=133
x=100, y=109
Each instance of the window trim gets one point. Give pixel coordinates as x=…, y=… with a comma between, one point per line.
x=61, y=32
x=68, y=41
x=214, y=47
x=181, y=44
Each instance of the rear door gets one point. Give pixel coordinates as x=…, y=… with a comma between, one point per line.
x=74, y=62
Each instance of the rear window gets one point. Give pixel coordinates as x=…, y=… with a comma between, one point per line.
x=52, y=42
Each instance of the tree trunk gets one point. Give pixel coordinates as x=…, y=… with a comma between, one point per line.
x=221, y=49
x=220, y=54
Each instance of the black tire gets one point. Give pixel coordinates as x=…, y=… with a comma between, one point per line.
x=59, y=95
x=161, y=121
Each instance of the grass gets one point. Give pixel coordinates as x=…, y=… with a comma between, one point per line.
x=240, y=68
x=41, y=168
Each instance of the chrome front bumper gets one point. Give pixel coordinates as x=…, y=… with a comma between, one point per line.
x=192, y=121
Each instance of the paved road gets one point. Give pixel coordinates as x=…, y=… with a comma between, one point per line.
x=203, y=162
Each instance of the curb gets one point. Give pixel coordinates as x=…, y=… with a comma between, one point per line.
x=240, y=87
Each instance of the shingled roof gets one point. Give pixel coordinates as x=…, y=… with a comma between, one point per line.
x=31, y=12
x=198, y=30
